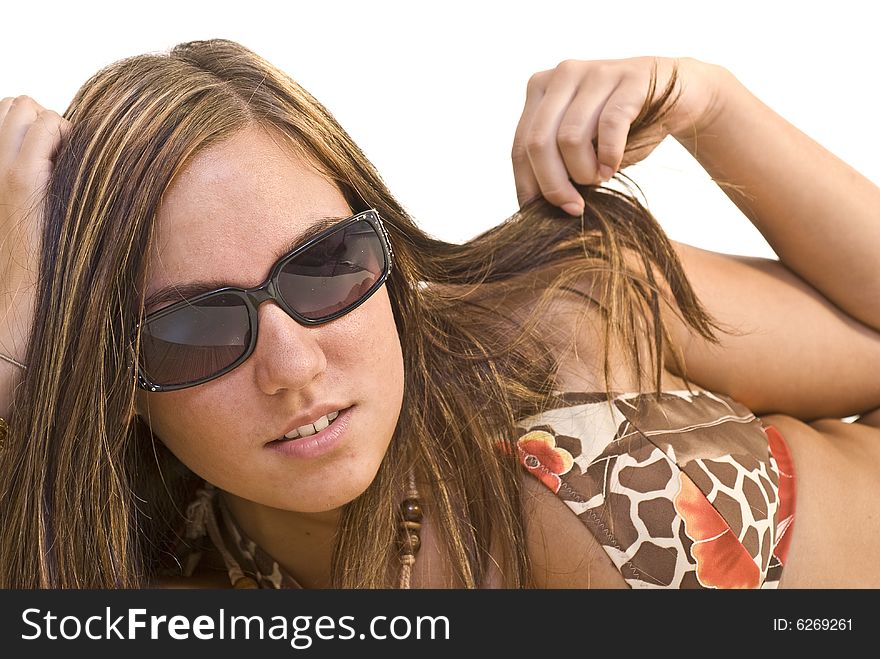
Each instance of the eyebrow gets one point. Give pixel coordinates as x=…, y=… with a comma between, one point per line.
x=178, y=292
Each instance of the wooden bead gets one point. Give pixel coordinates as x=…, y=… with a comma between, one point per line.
x=412, y=510
x=410, y=543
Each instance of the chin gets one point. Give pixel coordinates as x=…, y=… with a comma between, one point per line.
x=333, y=494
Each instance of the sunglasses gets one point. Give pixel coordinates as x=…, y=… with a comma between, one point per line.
x=201, y=338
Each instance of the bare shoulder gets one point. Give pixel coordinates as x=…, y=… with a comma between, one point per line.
x=562, y=551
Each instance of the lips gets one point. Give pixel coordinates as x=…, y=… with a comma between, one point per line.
x=311, y=428
x=318, y=444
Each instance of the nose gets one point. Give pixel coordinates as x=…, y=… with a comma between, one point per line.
x=287, y=355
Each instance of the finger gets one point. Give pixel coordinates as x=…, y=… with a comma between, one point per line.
x=614, y=122
x=40, y=145
x=542, y=148
x=31, y=172
x=578, y=128
x=21, y=114
x=527, y=187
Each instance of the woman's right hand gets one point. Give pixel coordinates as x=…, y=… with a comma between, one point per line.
x=29, y=139
x=577, y=120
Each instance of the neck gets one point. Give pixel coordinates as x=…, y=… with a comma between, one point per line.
x=302, y=543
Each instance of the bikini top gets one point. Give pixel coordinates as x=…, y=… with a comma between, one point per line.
x=682, y=490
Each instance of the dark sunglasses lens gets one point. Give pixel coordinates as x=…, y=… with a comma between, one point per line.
x=335, y=274
x=195, y=341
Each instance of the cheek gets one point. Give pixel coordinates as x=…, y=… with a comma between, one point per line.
x=370, y=349
x=198, y=427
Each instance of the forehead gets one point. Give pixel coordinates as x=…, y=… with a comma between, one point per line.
x=232, y=207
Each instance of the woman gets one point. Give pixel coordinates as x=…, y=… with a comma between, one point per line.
x=382, y=408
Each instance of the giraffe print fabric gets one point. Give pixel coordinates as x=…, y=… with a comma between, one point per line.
x=682, y=489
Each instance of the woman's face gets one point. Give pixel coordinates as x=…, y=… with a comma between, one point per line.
x=223, y=219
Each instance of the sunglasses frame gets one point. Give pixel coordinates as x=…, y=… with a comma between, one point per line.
x=268, y=290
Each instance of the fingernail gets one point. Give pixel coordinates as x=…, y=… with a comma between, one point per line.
x=573, y=208
x=605, y=172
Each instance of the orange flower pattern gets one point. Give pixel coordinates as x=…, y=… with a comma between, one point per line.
x=540, y=456
x=722, y=561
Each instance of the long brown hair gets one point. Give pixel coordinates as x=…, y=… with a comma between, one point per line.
x=90, y=499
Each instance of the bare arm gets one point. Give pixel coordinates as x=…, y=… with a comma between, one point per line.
x=788, y=349
x=819, y=214
x=806, y=342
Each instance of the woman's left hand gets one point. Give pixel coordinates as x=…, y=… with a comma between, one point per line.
x=577, y=119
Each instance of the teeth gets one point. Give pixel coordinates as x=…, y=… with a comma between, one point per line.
x=306, y=430
x=312, y=428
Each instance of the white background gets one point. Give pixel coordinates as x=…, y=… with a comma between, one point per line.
x=432, y=91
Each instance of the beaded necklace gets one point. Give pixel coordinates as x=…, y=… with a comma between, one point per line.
x=202, y=520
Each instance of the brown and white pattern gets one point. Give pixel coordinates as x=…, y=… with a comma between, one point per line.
x=681, y=489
